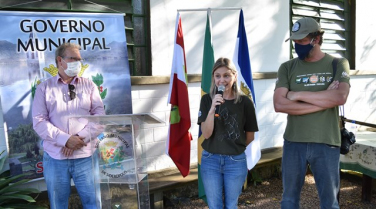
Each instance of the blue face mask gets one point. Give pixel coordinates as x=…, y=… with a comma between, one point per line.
x=303, y=50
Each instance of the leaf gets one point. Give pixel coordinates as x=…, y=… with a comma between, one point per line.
x=104, y=93
x=97, y=79
x=11, y=179
x=17, y=190
x=2, y=160
x=5, y=198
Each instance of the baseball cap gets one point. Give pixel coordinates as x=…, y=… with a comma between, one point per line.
x=303, y=27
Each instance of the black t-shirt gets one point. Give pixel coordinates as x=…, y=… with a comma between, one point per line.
x=228, y=136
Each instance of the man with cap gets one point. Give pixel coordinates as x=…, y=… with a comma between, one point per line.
x=309, y=92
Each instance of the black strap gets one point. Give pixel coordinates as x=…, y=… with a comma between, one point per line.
x=341, y=110
x=334, y=66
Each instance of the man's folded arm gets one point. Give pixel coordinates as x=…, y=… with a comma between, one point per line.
x=325, y=99
x=284, y=105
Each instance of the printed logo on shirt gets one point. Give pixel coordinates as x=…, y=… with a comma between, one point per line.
x=345, y=75
x=320, y=79
x=305, y=80
x=313, y=79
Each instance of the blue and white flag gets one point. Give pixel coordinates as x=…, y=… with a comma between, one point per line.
x=245, y=82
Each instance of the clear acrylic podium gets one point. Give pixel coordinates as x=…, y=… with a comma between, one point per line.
x=118, y=142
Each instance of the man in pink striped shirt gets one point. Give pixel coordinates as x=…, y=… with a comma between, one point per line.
x=68, y=153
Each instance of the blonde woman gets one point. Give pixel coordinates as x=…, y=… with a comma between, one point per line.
x=223, y=162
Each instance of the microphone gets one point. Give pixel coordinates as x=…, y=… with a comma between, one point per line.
x=220, y=90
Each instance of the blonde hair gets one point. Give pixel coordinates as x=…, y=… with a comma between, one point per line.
x=225, y=62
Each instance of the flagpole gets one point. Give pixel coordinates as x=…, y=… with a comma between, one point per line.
x=207, y=9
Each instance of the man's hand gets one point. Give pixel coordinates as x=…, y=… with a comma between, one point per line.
x=67, y=152
x=290, y=95
x=333, y=85
x=75, y=142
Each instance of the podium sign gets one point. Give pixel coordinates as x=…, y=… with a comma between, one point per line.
x=118, y=141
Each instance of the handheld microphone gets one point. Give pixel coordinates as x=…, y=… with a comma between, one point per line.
x=220, y=90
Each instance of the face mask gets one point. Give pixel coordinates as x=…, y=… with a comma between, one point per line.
x=303, y=50
x=73, y=68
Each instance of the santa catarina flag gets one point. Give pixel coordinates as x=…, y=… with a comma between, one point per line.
x=245, y=82
x=207, y=65
x=178, y=145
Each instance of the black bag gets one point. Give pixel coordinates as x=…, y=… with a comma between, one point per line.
x=347, y=139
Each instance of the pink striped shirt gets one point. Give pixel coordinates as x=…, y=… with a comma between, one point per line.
x=52, y=108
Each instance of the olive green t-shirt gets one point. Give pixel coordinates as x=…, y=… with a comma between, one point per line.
x=228, y=136
x=299, y=75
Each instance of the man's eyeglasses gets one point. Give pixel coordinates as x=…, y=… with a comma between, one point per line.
x=75, y=59
x=72, y=92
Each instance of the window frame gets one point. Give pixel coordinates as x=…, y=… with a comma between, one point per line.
x=337, y=19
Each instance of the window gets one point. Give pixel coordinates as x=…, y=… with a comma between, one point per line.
x=136, y=22
x=335, y=19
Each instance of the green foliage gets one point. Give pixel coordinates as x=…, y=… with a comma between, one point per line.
x=34, y=87
x=103, y=94
x=98, y=80
x=12, y=196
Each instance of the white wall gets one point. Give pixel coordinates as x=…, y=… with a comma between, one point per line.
x=361, y=104
x=365, y=35
x=266, y=23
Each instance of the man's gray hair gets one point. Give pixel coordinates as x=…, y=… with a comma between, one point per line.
x=60, y=51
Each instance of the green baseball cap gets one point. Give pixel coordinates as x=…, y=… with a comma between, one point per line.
x=303, y=27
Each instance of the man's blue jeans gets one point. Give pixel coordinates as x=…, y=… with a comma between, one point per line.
x=58, y=175
x=223, y=172
x=324, y=163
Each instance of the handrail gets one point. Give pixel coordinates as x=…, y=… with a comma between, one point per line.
x=359, y=122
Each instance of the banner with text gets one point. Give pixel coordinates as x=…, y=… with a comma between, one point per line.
x=27, y=57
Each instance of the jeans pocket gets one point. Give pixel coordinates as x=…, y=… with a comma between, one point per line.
x=206, y=154
x=46, y=158
x=238, y=158
x=332, y=146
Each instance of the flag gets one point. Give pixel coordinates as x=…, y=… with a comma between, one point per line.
x=207, y=65
x=245, y=82
x=178, y=145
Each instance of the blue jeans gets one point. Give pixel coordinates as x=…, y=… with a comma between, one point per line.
x=58, y=175
x=223, y=172
x=324, y=163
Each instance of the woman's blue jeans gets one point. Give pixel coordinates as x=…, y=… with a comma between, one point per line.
x=58, y=175
x=223, y=173
x=324, y=163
